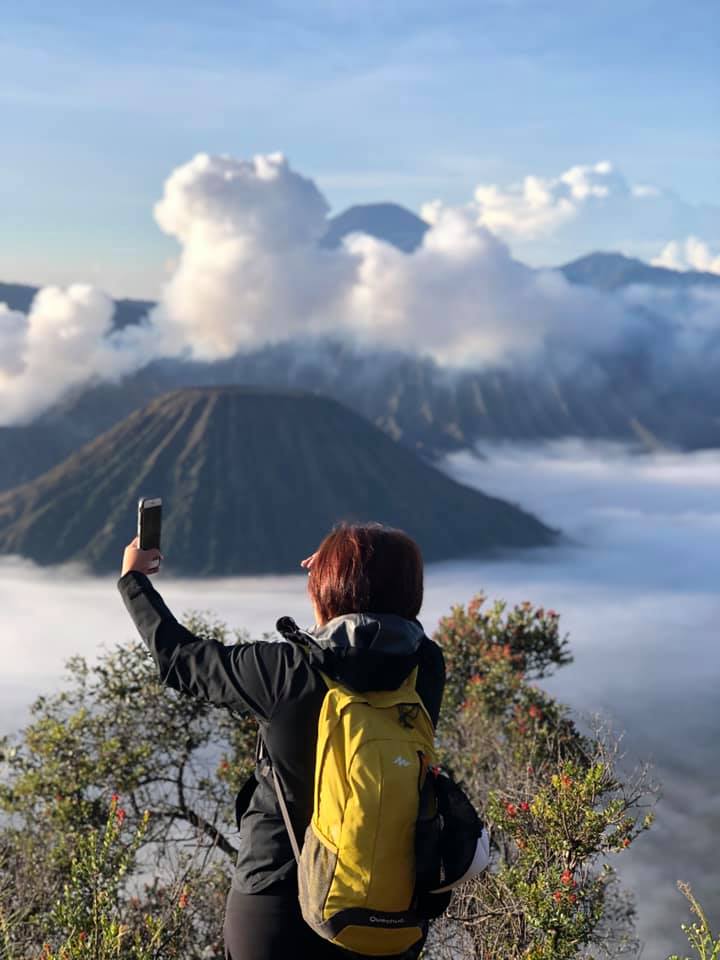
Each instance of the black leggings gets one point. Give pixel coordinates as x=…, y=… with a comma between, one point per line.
x=269, y=926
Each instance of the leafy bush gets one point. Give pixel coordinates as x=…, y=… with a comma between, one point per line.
x=553, y=798
x=176, y=763
x=77, y=879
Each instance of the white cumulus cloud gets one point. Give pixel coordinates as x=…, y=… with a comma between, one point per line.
x=250, y=271
x=462, y=297
x=62, y=342
x=540, y=205
x=250, y=268
x=693, y=254
x=549, y=220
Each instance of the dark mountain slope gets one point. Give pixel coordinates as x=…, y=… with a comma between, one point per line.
x=29, y=450
x=610, y=271
x=251, y=481
x=386, y=221
x=410, y=398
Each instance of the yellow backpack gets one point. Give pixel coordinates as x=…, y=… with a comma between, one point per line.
x=357, y=867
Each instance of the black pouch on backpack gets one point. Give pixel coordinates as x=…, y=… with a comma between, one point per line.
x=447, y=842
x=428, y=855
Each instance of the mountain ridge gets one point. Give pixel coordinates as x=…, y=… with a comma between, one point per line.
x=251, y=481
x=611, y=271
x=407, y=395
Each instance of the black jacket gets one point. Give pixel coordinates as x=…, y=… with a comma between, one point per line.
x=279, y=683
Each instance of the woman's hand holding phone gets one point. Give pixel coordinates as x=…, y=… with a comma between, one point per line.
x=143, y=561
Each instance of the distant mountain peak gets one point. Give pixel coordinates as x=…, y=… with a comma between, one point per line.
x=387, y=221
x=607, y=270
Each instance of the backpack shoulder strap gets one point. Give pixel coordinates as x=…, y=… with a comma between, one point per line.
x=266, y=768
x=286, y=815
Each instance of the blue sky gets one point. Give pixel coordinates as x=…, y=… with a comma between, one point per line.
x=406, y=101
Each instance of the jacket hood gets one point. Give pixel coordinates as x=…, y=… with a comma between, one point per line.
x=363, y=651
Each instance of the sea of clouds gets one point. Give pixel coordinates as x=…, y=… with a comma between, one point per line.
x=250, y=271
x=636, y=585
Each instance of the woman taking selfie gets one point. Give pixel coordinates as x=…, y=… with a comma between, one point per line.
x=365, y=582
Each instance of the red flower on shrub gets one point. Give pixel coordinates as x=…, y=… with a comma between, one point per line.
x=557, y=896
x=567, y=878
x=534, y=711
x=120, y=815
x=511, y=809
x=626, y=842
x=524, y=806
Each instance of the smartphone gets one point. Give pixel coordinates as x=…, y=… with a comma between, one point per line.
x=149, y=522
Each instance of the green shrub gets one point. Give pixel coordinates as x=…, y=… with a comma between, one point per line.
x=554, y=801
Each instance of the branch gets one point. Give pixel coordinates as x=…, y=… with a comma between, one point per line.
x=196, y=820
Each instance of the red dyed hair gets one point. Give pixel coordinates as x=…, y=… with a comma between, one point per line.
x=366, y=568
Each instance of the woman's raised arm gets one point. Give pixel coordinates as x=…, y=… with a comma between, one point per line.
x=244, y=676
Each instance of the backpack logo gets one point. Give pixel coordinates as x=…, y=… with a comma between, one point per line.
x=401, y=762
